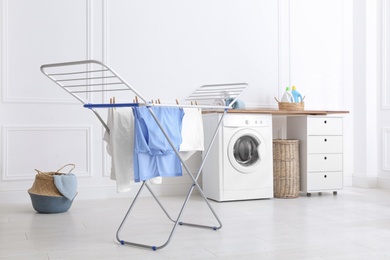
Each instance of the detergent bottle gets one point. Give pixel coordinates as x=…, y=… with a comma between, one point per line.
x=287, y=96
x=297, y=96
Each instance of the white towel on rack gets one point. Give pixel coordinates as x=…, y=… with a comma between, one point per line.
x=120, y=145
x=192, y=133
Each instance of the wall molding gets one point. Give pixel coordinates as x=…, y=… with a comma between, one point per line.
x=105, y=32
x=386, y=148
x=284, y=48
x=7, y=130
x=106, y=158
x=4, y=85
x=3, y=46
x=383, y=23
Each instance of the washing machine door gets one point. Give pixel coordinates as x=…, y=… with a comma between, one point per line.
x=245, y=150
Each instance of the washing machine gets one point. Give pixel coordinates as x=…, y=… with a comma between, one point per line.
x=240, y=162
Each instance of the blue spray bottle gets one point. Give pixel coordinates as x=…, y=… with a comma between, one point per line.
x=297, y=96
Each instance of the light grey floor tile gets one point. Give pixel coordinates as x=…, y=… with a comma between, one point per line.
x=355, y=224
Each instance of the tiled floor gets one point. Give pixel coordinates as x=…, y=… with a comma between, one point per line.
x=355, y=224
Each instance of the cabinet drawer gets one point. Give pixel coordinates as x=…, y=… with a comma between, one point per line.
x=324, y=162
x=325, y=144
x=324, y=126
x=324, y=181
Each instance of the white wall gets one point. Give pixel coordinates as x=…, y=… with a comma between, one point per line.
x=382, y=11
x=371, y=94
x=165, y=49
x=178, y=45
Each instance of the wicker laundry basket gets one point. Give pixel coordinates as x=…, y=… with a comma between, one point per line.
x=291, y=106
x=298, y=106
x=46, y=197
x=286, y=168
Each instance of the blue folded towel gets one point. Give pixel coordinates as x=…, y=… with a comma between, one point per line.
x=66, y=185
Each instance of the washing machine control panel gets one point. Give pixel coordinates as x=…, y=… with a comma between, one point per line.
x=250, y=120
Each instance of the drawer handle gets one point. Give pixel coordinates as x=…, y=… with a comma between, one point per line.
x=325, y=140
x=325, y=122
x=325, y=176
x=325, y=158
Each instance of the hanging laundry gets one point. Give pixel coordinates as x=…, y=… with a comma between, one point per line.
x=192, y=133
x=153, y=155
x=120, y=146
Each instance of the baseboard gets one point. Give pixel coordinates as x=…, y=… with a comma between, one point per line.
x=348, y=181
x=84, y=193
x=365, y=181
x=384, y=183
x=92, y=193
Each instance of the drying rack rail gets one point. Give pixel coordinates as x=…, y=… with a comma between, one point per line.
x=86, y=79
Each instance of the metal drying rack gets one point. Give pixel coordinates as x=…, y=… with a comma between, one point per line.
x=82, y=79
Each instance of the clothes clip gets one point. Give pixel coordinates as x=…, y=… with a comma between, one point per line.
x=196, y=103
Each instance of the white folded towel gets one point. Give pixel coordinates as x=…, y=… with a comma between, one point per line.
x=192, y=133
x=120, y=145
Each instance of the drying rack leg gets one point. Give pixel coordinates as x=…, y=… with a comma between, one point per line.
x=195, y=179
x=208, y=204
x=177, y=221
x=194, y=184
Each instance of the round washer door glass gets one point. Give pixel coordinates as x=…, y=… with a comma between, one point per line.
x=244, y=151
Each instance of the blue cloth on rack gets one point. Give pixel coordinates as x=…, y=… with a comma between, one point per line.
x=153, y=155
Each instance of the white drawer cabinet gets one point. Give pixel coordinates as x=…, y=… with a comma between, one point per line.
x=324, y=144
x=320, y=181
x=324, y=125
x=321, y=151
x=325, y=162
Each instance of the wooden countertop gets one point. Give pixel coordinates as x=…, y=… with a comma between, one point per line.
x=280, y=112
